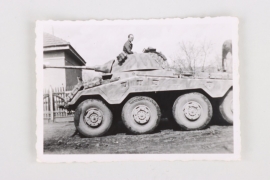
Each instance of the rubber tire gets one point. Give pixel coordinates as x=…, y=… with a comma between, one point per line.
x=225, y=107
x=86, y=130
x=202, y=121
x=131, y=124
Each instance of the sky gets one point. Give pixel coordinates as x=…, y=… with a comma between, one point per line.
x=100, y=41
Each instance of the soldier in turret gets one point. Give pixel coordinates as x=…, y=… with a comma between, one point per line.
x=128, y=45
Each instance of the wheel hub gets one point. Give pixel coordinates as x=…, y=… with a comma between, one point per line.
x=141, y=114
x=192, y=110
x=93, y=117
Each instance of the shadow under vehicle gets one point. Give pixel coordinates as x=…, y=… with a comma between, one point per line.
x=140, y=88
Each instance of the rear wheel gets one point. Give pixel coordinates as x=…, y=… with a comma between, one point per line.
x=93, y=118
x=141, y=115
x=192, y=111
x=226, y=107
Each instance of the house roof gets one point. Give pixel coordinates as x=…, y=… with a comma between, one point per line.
x=51, y=40
x=53, y=43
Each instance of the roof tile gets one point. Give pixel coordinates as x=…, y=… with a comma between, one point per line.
x=51, y=40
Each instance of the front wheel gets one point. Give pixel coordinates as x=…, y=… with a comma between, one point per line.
x=141, y=115
x=192, y=111
x=93, y=118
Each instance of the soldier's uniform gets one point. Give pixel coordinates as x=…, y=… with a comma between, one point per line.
x=128, y=47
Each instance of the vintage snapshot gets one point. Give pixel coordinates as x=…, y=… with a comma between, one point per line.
x=137, y=90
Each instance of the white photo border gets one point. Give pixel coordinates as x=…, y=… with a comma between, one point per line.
x=50, y=158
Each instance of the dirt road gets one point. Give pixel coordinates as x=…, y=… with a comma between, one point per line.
x=61, y=138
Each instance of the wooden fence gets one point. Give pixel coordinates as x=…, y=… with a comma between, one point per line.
x=52, y=99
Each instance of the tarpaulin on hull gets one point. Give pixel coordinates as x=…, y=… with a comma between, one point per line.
x=142, y=61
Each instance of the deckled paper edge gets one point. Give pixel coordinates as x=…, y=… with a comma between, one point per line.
x=41, y=157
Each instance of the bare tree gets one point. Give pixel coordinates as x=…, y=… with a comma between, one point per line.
x=192, y=55
x=187, y=56
x=218, y=62
x=192, y=52
x=206, y=48
x=179, y=64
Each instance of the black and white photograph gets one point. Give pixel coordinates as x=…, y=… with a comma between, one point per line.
x=119, y=90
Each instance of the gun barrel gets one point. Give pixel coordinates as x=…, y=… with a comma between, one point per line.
x=73, y=67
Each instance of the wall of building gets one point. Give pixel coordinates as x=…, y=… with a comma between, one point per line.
x=54, y=77
x=72, y=74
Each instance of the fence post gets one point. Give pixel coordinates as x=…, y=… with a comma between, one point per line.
x=51, y=103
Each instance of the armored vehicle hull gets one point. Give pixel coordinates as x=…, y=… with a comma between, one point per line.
x=144, y=88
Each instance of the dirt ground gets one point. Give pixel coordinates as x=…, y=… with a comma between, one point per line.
x=62, y=138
